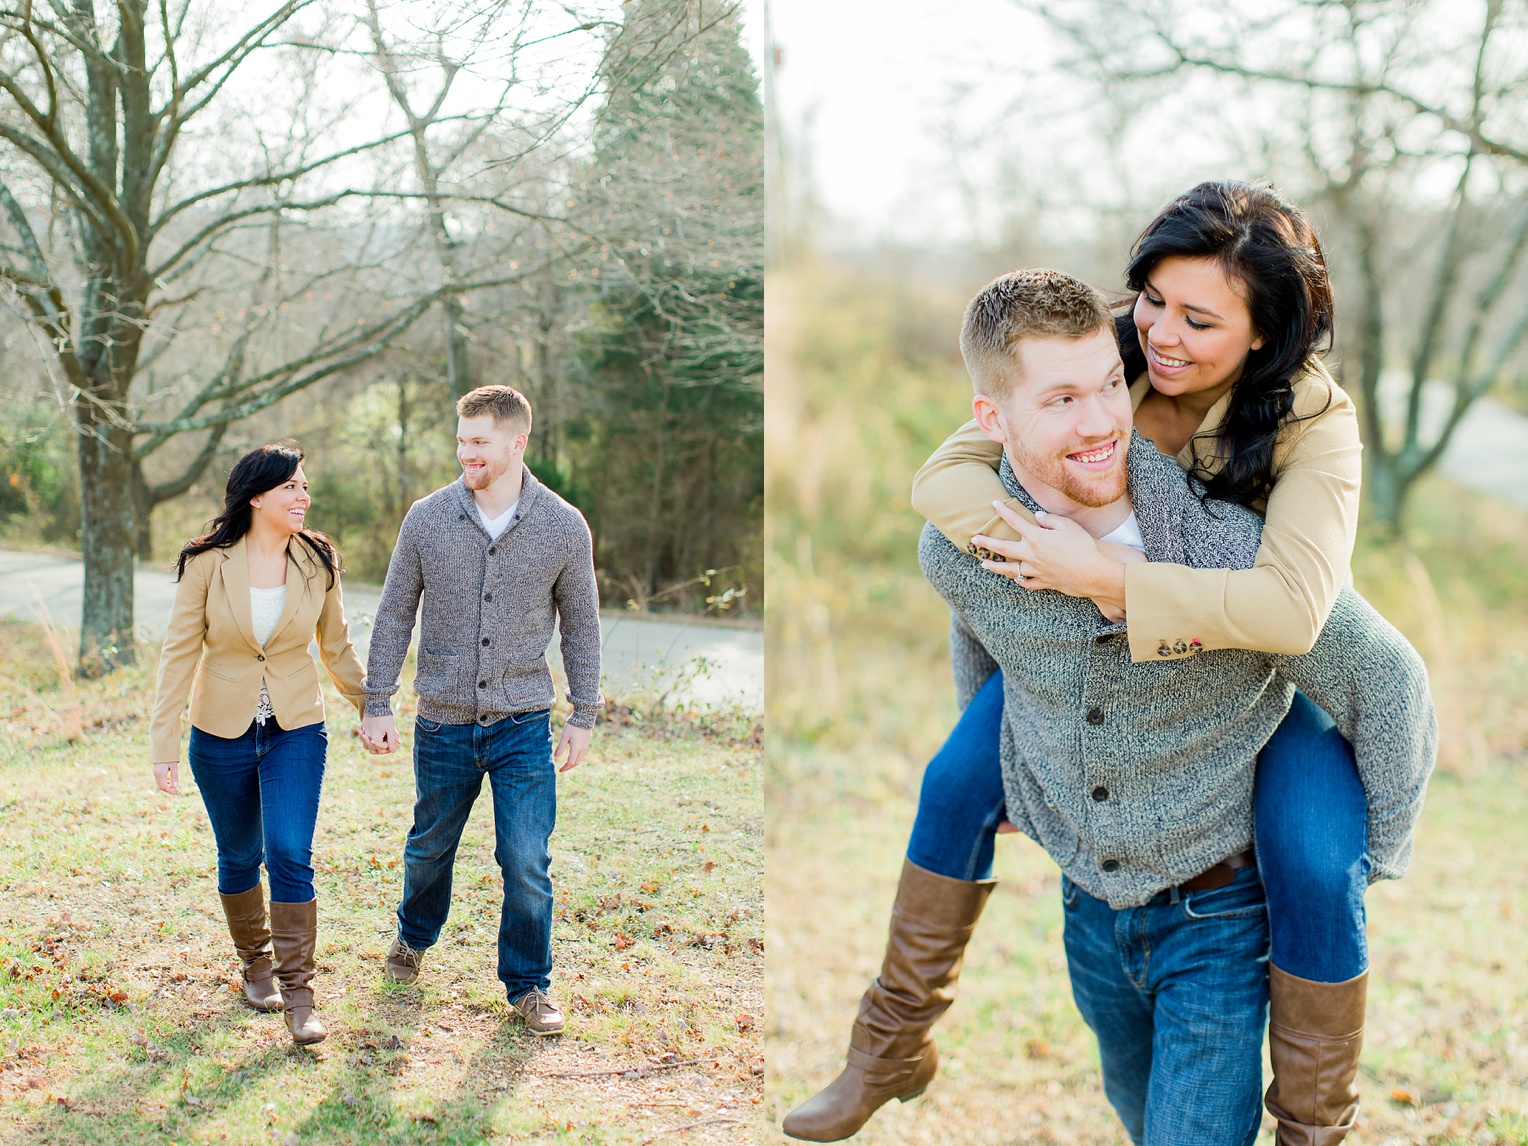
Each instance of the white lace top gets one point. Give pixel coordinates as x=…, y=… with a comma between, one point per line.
x=265, y=607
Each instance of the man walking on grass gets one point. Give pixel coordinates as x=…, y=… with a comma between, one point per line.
x=499, y=560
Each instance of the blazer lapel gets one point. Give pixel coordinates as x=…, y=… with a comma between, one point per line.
x=236, y=585
x=301, y=566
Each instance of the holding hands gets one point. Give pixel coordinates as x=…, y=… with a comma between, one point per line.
x=379, y=734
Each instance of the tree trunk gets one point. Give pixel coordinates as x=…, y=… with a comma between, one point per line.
x=1388, y=487
x=143, y=513
x=458, y=370
x=107, y=534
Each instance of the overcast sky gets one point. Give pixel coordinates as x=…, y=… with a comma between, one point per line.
x=869, y=85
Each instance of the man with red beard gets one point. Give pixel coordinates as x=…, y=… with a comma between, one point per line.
x=1137, y=778
x=500, y=562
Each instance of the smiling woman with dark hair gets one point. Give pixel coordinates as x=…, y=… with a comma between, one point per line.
x=252, y=594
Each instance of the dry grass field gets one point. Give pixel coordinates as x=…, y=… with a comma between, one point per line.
x=120, y=1021
x=861, y=388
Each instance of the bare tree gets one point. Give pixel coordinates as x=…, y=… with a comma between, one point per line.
x=1363, y=108
x=135, y=189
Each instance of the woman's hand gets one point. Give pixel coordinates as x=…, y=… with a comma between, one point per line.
x=1057, y=553
x=167, y=777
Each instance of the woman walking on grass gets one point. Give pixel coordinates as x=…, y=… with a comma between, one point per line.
x=251, y=594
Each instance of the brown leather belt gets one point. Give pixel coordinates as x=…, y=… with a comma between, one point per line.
x=1219, y=875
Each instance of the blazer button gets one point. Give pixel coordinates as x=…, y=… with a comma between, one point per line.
x=259, y=656
x=1095, y=716
x=1180, y=648
x=1164, y=650
x=1111, y=865
x=1100, y=793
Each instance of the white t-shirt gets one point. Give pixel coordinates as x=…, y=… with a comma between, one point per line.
x=1128, y=533
x=497, y=525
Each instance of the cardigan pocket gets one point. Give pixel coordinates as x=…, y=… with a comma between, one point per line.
x=437, y=675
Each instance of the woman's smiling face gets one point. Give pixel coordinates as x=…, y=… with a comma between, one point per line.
x=1194, y=327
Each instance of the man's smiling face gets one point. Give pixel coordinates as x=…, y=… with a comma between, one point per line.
x=486, y=449
x=1065, y=422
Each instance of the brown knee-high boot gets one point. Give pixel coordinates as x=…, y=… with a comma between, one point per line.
x=1315, y=1034
x=252, y=940
x=891, y=1052
x=294, y=933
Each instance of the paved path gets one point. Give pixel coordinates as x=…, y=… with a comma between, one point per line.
x=700, y=661
x=1489, y=450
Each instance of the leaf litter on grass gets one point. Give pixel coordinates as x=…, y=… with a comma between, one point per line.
x=121, y=1017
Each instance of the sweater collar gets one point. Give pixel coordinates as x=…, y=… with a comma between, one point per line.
x=530, y=490
x=1157, y=487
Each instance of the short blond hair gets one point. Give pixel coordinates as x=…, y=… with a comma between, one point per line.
x=507, y=405
x=1032, y=303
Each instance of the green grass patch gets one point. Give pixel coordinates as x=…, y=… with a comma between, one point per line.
x=120, y=1016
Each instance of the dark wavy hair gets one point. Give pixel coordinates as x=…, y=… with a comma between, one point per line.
x=259, y=471
x=1269, y=250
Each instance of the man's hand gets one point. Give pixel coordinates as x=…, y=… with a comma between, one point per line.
x=167, y=776
x=379, y=734
x=576, y=741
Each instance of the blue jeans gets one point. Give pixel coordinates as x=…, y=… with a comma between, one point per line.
x=1311, y=822
x=450, y=761
x=261, y=792
x=1177, y=992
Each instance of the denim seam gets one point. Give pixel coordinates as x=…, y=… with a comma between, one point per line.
x=989, y=825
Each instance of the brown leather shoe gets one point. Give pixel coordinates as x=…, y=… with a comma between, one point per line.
x=294, y=934
x=1315, y=1034
x=252, y=940
x=402, y=965
x=542, y=1018
x=891, y=1053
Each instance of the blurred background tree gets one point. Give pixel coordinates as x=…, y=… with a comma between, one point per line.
x=186, y=279
x=1404, y=127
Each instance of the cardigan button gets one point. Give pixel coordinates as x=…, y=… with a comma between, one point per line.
x=1095, y=716
x=485, y=642
x=1100, y=793
x=1111, y=865
x=491, y=551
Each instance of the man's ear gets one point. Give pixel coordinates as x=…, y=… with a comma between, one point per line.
x=989, y=417
x=522, y=440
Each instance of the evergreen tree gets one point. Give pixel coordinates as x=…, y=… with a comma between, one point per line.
x=667, y=451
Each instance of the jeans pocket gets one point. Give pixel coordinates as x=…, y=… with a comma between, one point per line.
x=1242, y=897
x=423, y=725
x=530, y=717
x=1070, y=892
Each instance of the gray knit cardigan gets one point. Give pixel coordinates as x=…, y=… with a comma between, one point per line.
x=1136, y=777
x=490, y=609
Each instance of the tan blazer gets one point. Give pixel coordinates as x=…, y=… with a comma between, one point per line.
x=211, y=637
x=1277, y=606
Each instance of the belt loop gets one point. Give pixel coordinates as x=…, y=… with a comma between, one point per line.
x=1176, y=895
